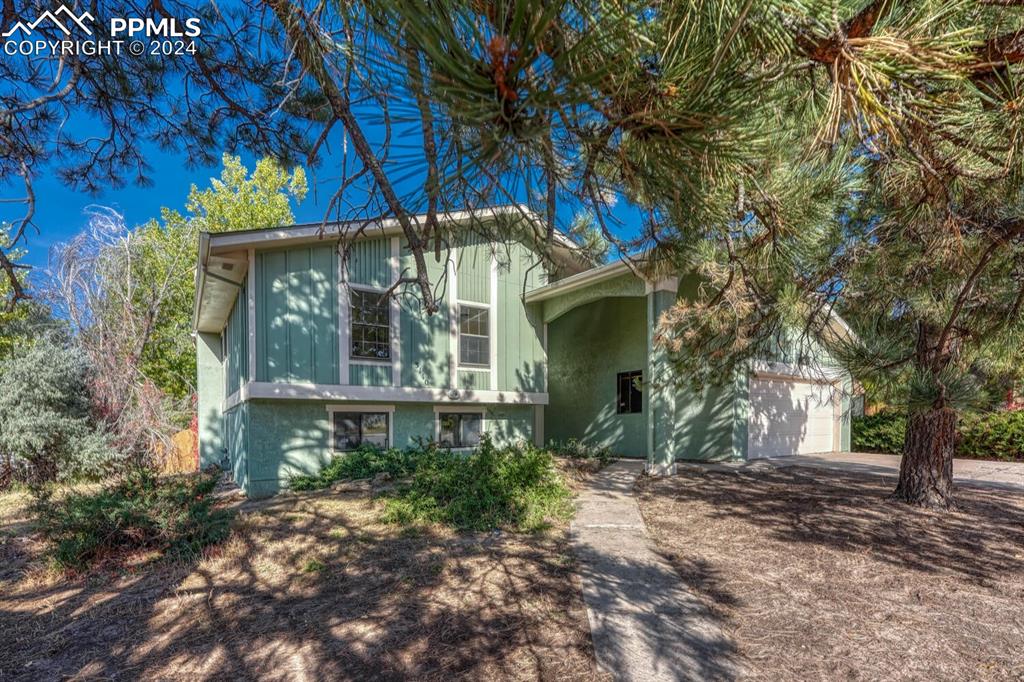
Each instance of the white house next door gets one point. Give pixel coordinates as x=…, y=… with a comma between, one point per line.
x=790, y=417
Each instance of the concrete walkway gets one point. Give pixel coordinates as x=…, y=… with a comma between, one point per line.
x=971, y=472
x=646, y=625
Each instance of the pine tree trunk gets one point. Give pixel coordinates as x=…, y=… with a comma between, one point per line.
x=926, y=471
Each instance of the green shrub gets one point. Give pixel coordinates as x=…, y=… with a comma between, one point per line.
x=46, y=430
x=882, y=432
x=994, y=435
x=578, y=450
x=366, y=462
x=515, y=487
x=988, y=435
x=173, y=514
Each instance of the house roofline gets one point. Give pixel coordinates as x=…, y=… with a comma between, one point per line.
x=376, y=227
x=580, y=280
x=221, y=243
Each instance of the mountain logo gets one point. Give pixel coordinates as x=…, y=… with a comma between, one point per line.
x=70, y=19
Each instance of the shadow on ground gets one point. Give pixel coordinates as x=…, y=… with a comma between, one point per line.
x=983, y=538
x=312, y=588
x=814, y=574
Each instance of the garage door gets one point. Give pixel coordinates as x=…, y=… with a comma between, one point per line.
x=790, y=418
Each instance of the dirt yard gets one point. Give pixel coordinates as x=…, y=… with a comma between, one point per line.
x=309, y=587
x=816, y=577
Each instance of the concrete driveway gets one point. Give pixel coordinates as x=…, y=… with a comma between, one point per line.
x=972, y=472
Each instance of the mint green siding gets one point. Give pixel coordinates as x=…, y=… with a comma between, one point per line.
x=370, y=375
x=237, y=341
x=587, y=348
x=369, y=262
x=425, y=338
x=520, y=340
x=210, y=393
x=297, y=315
x=288, y=437
x=474, y=380
x=237, y=443
x=474, y=270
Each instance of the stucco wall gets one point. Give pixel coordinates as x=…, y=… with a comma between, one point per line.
x=210, y=394
x=587, y=347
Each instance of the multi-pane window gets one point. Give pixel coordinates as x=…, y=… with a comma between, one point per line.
x=371, y=325
x=629, y=397
x=459, y=429
x=474, y=336
x=352, y=429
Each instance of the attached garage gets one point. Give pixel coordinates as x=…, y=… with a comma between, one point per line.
x=792, y=416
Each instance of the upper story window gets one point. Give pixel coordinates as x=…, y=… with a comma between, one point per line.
x=371, y=325
x=629, y=397
x=474, y=336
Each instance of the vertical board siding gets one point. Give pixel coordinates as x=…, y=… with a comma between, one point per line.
x=297, y=332
x=474, y=272
x=369, y=263
x=237, y=342
x=297, y=319
x=424, y=338
x=474, y=381
x=370, y=375
x=521, y=357
x=236, y=442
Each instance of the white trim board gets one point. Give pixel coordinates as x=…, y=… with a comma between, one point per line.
x=396, y=315
x=453, y=322
x=492, y=319
x=250, y=291
x=264, y=390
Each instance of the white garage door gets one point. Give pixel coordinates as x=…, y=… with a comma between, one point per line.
x=790, y=418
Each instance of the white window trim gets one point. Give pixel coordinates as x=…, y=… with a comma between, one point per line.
x=461, y=409
x=344, y=329
x=250, y=291
x=389, y=409
x=453, y=323
x=396, y=316
x=490, y=339
x=366, y=288
x=493, y=320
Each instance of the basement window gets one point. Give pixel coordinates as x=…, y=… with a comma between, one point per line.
x=352, y=429
x=629, y=397
x=459, y=429
x=371, y=325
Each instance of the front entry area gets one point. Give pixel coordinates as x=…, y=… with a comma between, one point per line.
x=791, y=416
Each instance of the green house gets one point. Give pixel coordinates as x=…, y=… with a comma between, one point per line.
x=302, y=356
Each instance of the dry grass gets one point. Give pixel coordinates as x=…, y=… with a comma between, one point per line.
x=816, y=576
x=308, y=587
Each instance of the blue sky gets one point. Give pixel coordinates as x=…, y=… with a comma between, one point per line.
x=62, y=212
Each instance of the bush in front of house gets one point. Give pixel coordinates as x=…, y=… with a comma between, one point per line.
x=577, y=450
x=515, y=487
x=881, y=432
x=366, y=462
x=173, y=515
x=994, y=435
x=988, y=435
